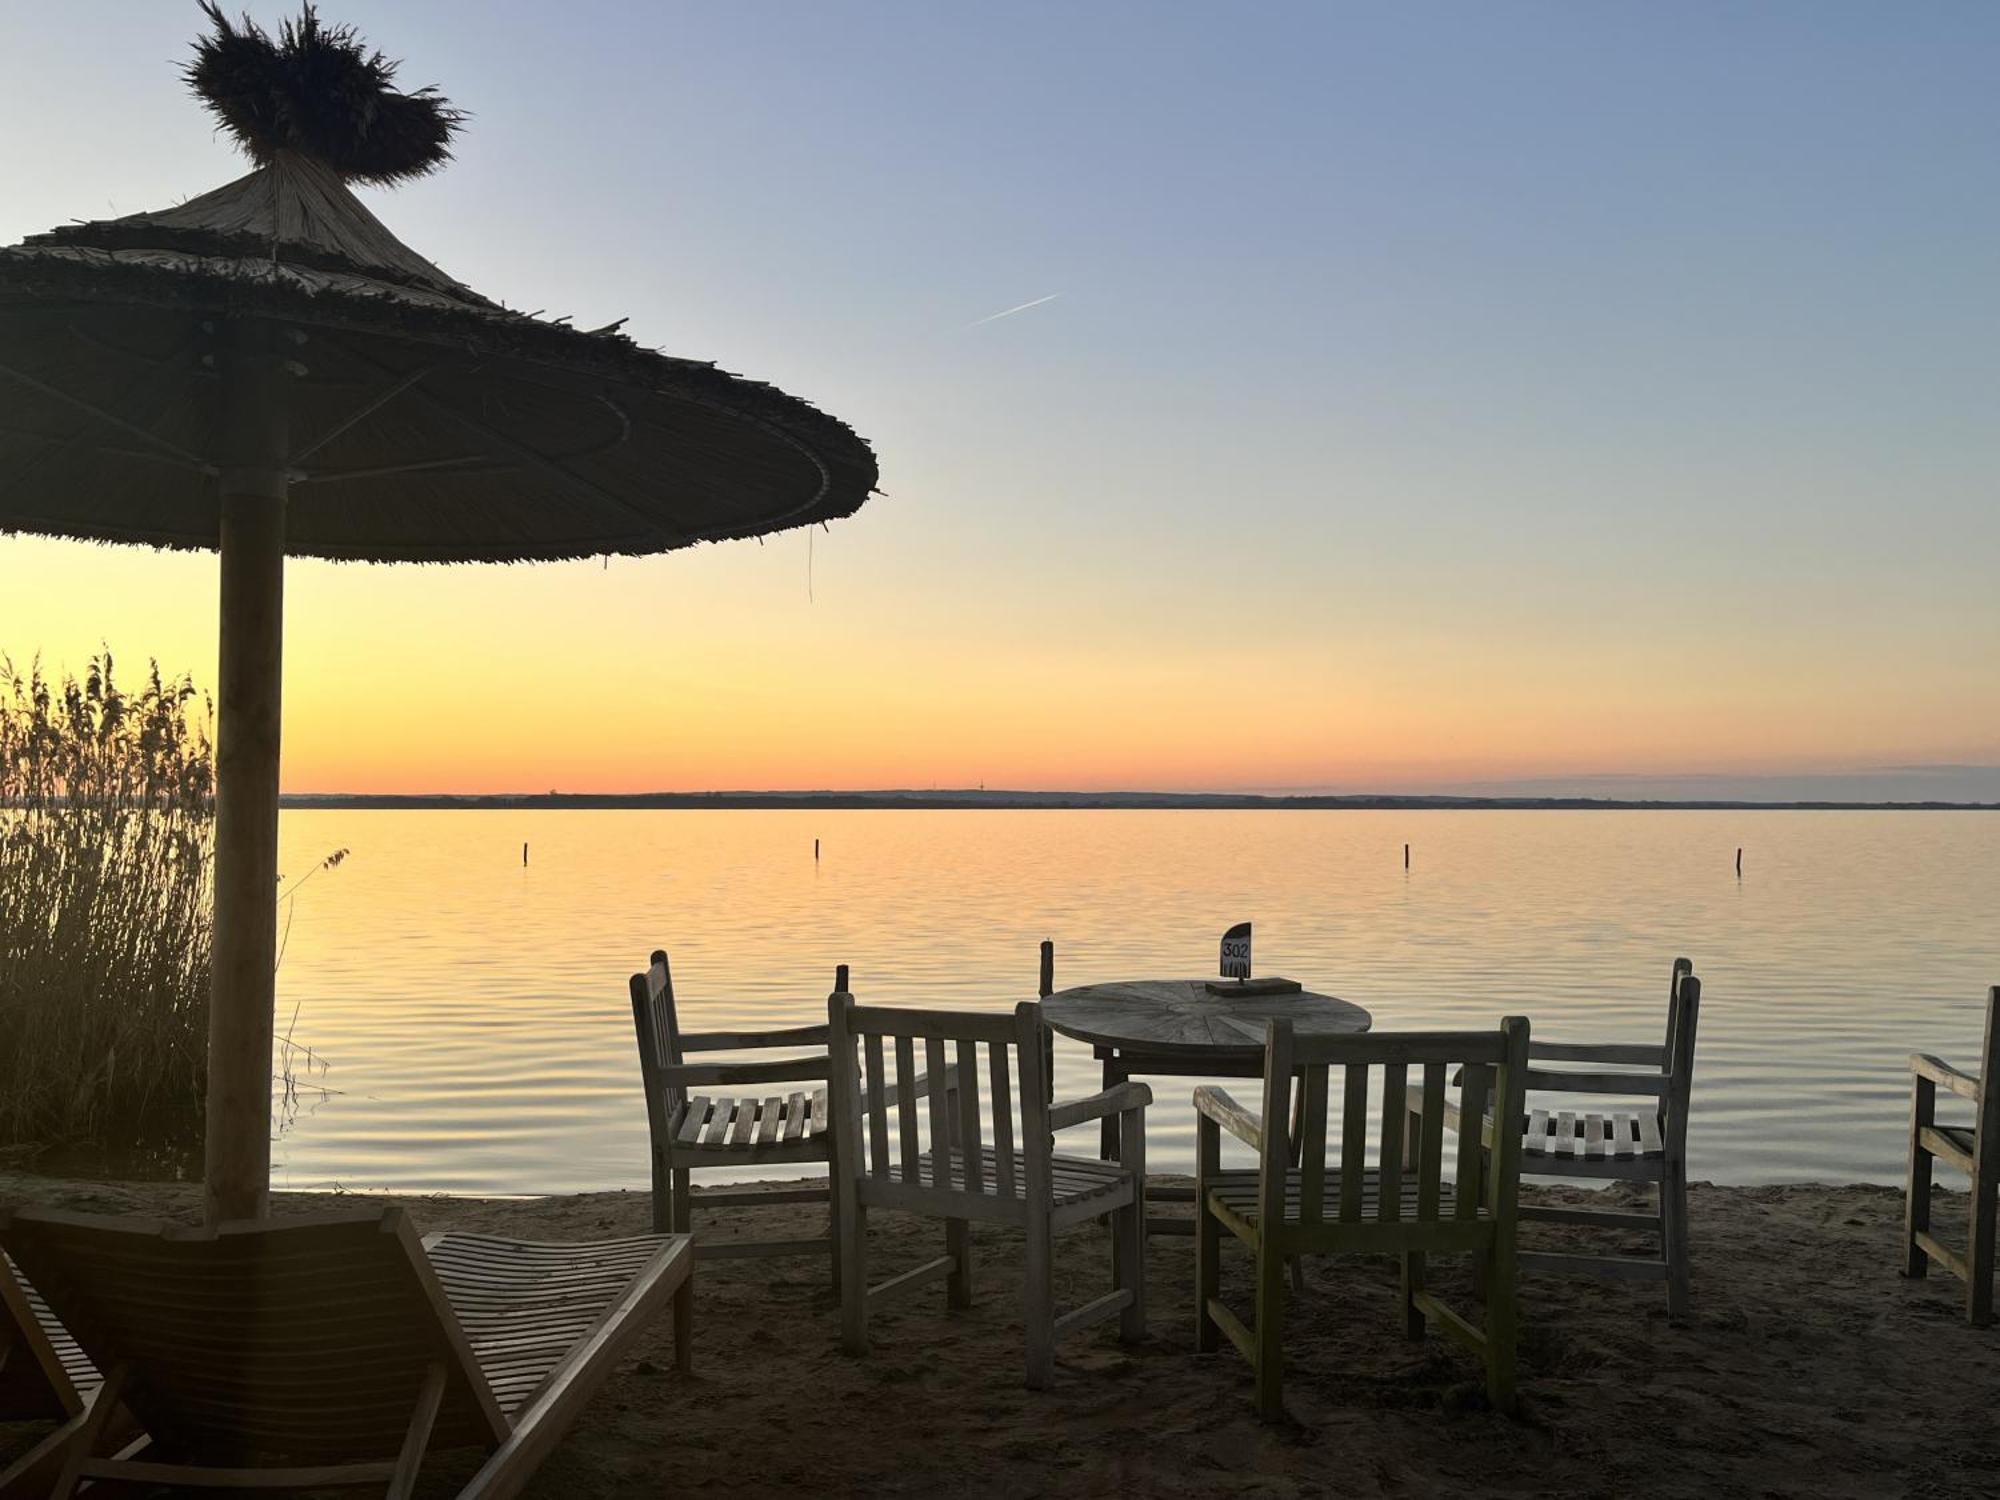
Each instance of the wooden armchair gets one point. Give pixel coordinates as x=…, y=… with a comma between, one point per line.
x=941, y=1167
x=1646, y=1144
x=1281, y=1210
x=1974, y=1150
x=692, y=1128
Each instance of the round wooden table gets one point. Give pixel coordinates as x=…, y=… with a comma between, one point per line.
x=1180, y=1027
x=1184, y=1019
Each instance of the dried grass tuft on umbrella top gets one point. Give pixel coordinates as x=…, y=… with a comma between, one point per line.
x=266, y=369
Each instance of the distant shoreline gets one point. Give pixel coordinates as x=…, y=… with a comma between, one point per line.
x=1024, y=801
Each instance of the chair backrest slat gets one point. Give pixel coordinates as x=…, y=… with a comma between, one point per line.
x=906, y=1107
x=659, y=1037
x=1430, y=1142
x=1986, y=1121
x=941, y=1129
x=1474, y=1091
x=1003, y=1125
x=1312, y=1159
x=1353, y=1140
x=1681, y=969
x=971, y=1145
x=1684, y=1019
x=878, y=1107
x=1395, y=1112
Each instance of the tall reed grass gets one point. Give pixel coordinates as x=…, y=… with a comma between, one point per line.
x=107, y=825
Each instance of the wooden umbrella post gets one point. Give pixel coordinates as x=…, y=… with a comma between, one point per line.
x=253, y=483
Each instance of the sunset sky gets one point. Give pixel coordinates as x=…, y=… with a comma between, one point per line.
x=1414, y=395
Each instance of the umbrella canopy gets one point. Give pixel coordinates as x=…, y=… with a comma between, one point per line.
x=266, y=369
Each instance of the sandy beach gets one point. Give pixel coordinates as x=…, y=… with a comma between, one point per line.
x=1810, y=1369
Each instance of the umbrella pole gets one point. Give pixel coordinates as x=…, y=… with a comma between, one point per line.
x=250, y=677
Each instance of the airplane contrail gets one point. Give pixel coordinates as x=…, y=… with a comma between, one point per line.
x=1009, y=312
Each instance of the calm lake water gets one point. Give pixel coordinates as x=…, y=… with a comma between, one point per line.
x=473, y=1018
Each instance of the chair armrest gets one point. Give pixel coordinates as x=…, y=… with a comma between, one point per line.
x=1655, y=1084
x=1965, y=1085
x=1628, y=1054
x=782, y=1070
x=1215, y=1104
x=1114, y=1100
x=920, y=1088
x=729, y=1041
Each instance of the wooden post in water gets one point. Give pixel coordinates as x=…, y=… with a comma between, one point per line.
x=1739, y=864
x=524, y=853
x=1406, y=856
x=815, y=851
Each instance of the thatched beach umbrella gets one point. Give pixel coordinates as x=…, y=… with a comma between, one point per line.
x=267, y=370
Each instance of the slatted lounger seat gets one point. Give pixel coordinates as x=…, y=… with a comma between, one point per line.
x=335, y=1349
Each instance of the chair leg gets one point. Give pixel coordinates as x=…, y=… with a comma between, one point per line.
x=833, y=1245
x=1040, y=1306
x=683, y=1202
x=663, y=1197
x=1269, y=1330
x=1979, y=1255
x=34, y=1473
x=96, y=1418
x=1207, y=1236
x=854, y=1286
x=1132, y=1228
x=958, y=1245
x=1502, y=1331
x=1413, y=1282
x=1674, y=1239
x=1107, y=1132
x=417, y=1438
x=684, y=1326
x=1917, y=1191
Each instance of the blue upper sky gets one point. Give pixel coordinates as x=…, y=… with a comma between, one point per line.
x=1523, y=389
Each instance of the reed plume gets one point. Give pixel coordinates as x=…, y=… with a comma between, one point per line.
x=106, y=881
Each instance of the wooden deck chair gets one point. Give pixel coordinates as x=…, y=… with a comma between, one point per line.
x=1351, y=1208
x=1648, y=1144
x=940, y=1165
x=336, y=1349
x=1974, y=1150
x=692, y=1129
x=44, y=1376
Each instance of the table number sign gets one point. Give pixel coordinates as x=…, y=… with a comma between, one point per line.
x=1236, y=952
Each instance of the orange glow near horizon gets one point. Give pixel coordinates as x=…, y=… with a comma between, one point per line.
x=711, y=670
